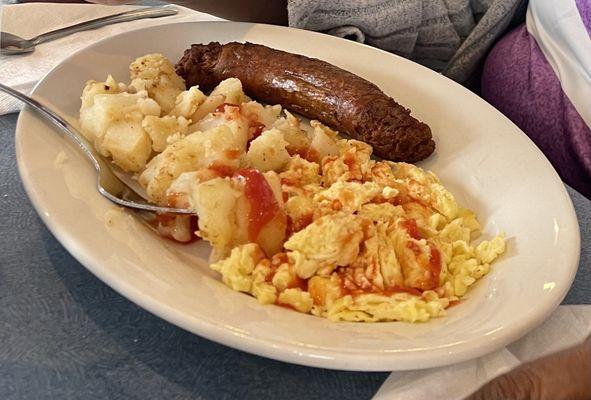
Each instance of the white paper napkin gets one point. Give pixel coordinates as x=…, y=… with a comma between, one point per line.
x=568, y=325
x=22, y=72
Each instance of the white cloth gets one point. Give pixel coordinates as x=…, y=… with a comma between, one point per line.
x=558, y=29
x=568, y=325
x=22, y=72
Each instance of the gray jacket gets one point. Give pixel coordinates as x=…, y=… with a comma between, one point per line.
x=449, y=36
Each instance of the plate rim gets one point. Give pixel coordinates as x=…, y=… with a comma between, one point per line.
x=313, y=356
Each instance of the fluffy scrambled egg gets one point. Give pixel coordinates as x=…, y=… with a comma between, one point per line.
x=296, y=216
x=397, y=250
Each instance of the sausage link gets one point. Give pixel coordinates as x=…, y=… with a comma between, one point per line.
x=314, y=89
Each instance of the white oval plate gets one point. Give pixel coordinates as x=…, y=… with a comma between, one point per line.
x=489, y=164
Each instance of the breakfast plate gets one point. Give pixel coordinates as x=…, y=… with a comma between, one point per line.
x=485, y=160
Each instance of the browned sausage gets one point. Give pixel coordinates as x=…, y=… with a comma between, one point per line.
x=314, y=89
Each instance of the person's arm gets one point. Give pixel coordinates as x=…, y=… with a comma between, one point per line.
x=562, y=376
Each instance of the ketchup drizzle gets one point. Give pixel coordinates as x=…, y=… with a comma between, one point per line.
x=263, y=205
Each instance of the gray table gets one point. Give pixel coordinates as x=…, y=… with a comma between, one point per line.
x=66, y=335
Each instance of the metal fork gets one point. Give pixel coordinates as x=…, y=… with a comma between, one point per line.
x=110, y=183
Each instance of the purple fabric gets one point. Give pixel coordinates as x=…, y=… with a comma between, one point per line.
x=584, y=7
x=519, y=82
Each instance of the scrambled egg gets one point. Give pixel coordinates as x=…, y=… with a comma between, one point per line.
x=399, y=250
x=296, y=216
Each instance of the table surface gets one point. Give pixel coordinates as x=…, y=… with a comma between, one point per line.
x=65, y=334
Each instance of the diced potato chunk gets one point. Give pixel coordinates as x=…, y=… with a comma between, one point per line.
x=230, y=117
x=256, y=112
x=187, y=103
x=324, y=141
x=179, y=192
x=208, y=106
x=149, y=107
x=105, y=110
x=297, y=140
x=92, y=88
x=272, y=235
x=160, y=129
x=215, y=202
x=267, y=152
x=231, y=89
x=159, y=78
x=195, y=151
x=128, y=143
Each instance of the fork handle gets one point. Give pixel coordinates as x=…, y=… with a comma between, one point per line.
x=56, y=120
x=147, y=12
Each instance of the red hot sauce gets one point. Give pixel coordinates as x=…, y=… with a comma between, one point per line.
x=263, y=205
